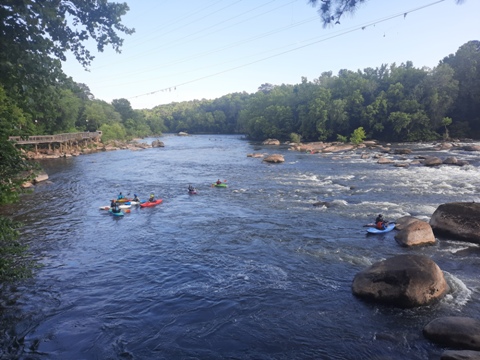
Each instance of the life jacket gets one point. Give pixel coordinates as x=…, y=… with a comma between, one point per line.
x=380, y=225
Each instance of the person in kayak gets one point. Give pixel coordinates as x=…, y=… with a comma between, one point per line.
x=191, y=188
x=380, y=223
x=114, y=206
x=120, y=196
x=135, y=198
x=218, y=182
x=152, y=198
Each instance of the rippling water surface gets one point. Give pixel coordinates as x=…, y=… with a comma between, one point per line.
x=253, y=271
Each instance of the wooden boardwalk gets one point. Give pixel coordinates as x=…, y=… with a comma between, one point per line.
x=58, y=138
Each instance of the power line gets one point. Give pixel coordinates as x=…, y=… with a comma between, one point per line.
x=361, y=27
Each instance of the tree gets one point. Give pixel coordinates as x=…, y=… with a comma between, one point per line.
x=357, y=136
x=35, y=35
x=332, y=10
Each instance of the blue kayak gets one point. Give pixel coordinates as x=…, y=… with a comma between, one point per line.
x=115, y=213
x=374, y=230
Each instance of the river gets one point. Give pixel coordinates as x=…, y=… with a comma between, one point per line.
x=252, y=271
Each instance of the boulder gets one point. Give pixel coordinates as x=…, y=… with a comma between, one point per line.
x=255, y=155
x=404, y=281
x=455, y=331
x=471, y=148
x=404, y=221
x=417, y=233
x=402, y=151
x=182, y=133
x=460, y=355
x=385, y=161
x=157, y=143
x=451, y=160
x=274, y=158
x=432, y=161
x=460, y=221
x=338, y=148
x=271, y=142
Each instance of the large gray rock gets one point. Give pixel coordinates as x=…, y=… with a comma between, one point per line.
x=415, y=234
x=404, y=221
x=460, y=221
x=432, y=161
x=460, y=355
x=404, y=281
x=274, y=158
x=455, y=331
x=271, y=142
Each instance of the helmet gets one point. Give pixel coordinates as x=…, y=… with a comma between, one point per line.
x=380, y=215
x=135, y=195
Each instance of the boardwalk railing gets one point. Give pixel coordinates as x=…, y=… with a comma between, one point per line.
x=58, y=138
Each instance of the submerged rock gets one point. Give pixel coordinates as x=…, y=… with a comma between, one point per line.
x=456, y=331
x=460, y=221
x=404, y=281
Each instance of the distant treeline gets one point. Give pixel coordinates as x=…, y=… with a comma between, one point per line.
x=391, y=103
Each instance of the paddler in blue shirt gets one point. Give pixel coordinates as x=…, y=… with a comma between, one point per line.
x=120, y=196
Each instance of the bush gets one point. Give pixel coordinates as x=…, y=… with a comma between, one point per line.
x=358, y=136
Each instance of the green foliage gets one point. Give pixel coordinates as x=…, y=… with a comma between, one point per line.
x=342, y=138
x=113, y=132
x=14, y=262
x=295, y=138
x=358, y=136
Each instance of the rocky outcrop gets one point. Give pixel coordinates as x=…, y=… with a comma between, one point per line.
x=274, y=158
x=415, y=234
x=181, y=133
x=460, y=221
x=255, y=155
x=471, y=148
x=338, y=148
x=384, y=161
x=157, y=143
x=455, y=331
x=404, y=281
x=271, y=142
x=432, y=161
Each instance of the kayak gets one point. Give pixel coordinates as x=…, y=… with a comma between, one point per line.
x=116, y=214
x=151, y=203
x=124, y=200
x=192, y=192
x=374, y=230
x=222, y=185
x=133, y=202
x=124, y=206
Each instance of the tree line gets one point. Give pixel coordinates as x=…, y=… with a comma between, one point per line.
x=390, y=103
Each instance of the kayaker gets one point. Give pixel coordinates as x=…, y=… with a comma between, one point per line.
x=191, y=188
x=114, y=206
x=218, y=182
x=135, y=198
x=152, y=198
x=380, y=222
x=120, y=196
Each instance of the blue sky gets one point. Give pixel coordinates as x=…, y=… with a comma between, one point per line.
x=204, y=49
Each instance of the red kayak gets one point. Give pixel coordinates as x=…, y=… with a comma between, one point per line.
x=149, y=203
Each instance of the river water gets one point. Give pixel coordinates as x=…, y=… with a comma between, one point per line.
x=253, y=271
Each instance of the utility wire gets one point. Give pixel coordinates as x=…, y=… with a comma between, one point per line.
x=361, y=27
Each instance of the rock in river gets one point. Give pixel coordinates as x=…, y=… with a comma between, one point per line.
x=404, y=281
x=460, y=221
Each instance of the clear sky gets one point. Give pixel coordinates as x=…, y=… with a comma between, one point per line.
x=204, y=49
